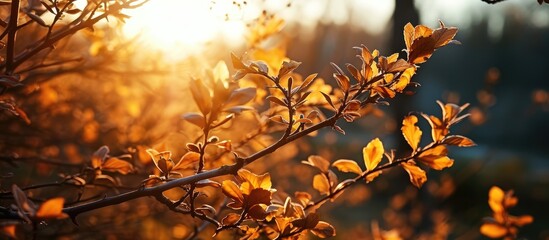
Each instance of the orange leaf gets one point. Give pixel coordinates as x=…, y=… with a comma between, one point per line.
x=321, y=183
x=417, y=175
x=422, y=48
x=258, y=196
x=231, y=218
x=422, y=31
x=444, y=35
x=373, y=153
x=495, y=199
x=493, y=230
x=411, y=132
x=370, y=177
x=195, y=118
x=460, y=141
x=53, y=208
x=345, y=165
x=99, y=155
x=257, y=181
x=385, y=92
x=319, y=162
x=257, y=212
x=157, y=156
x=240, y=96
x=436, y=158
x=9, y=230
x=323, y=230
x=188, y=158
x=404, y=79
x=521, y=220
x=116, y=165
x=231, y=190
x=408, y=35
x=438, y=129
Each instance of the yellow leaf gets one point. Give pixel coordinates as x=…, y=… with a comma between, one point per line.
x=323, y=230
x=257, y=181
x=345, y=165
x=201, y=96
x=53, y=208
x=231, y=190
x=370, y=177
x=436, y=158
x=493, y=230
x=157, y=156
x=438, y=129
x=411, y=132
x=373, y=153
x=404, y=79
x=408, y=35
x=495, y=199
x=321, y=183
x=417, y=175
x=221, y=72
x=521, y=220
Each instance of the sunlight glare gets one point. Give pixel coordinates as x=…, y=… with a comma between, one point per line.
x=184, y=27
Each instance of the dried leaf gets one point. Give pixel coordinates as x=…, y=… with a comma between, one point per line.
x=443, y=35
x=188, y=158
x=319, y=162
x=417, y=176
x=345, y=165
x=328, y=99
x=288, y=67
x=460, y=141
x=258, y=196
x=323, y=230
x=408, y=35
x=321, y=184
x=116, y=165
x=230, y=219
x=373, y=153
x=231, y=190
x=411, y=132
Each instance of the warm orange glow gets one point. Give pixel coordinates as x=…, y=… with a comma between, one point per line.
x=184, y=27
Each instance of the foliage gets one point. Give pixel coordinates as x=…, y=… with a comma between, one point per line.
x=239, y=120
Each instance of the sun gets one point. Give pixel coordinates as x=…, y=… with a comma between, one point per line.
x=185, y=26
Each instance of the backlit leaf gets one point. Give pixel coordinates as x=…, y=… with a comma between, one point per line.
x=345, y=165
x=231, y=190
x=257, y=212
x=411, y=132
x=201, y=96
x=436, y=158
x=116, y=165
x=240, y=96
x=258, y=196
x=25, y=205
x=417, y=176
x=493, y=230
x=495, y=199
x=323, y=230
x=52, y=208
x=521, y=220
x=288, y=67
x=373, y=175
x=8, y=230
x=321, y=184
x=230, y=219
x=257, y=181
x=408, y=35
x=443, y=35
x=373, y=153
x=319, y=162
x=188, y=158
x=460, y=141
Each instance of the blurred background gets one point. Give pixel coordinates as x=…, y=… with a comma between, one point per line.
x=138, y=72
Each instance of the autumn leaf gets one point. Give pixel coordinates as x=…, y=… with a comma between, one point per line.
x=373, y=153
x=201, y=96
x=493, y=230
x=231, y=190
x=52, y=208
x=460, y=141
x=8, y=230
x=257, y=181
x=195, y=118
x=417, y=176
x=323, y=230
x=345, y=165
x=240, y=96
x=495, y=199
x=411, y=132
x=117, y=165
x=321, y=184
x=188, y=158
x=230, y=219
x=318, y=162
x=436, y=158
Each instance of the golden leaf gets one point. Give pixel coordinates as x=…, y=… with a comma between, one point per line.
x=257, y=212
x=116, y=165
x=258, y=196
x=404, y=79
x=231, y=190
x=436, y=158
x=157, y=156
x=495, y=199
x=221, y=72
x=345, y=165
x=257, y=181
x=443, y=35
x=417, y=175
x=240, y=96
x=460, y=141
x=493, y=230
x=9, y=230
x=385, y=92
x=438, y=129
x=411, y=132
x=201, y=96
x=52, y=208
x=373, y=175
x=99, y=155
x=323, y=230
x=318, y=162
x=195, y=118
x=373, y=153
x=321, y=184
x=408, y=35
x=188, y=158
x=521, y=220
